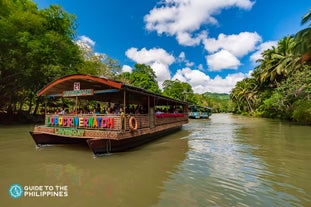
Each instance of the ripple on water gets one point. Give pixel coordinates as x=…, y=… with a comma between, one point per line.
x=226, y=166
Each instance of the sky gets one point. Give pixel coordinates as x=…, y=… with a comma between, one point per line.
x=210, y=44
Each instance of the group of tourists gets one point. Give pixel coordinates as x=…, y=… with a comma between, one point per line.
x=117, y=109
x=109, y=109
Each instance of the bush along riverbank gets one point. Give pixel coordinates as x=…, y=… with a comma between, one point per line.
x=280, y=86
x=20, y=118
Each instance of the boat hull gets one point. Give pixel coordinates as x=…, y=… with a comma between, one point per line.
x=42, y=139
x=103, y=146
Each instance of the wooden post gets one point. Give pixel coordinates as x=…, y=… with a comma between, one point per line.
x=76, y=107
x=45, y=105
x=149, y=112
x=124, y=110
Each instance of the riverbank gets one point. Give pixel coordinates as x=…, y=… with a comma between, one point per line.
x=20, y=118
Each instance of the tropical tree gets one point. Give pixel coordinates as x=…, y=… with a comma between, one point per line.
x=143, y=76
x=35, y=47
x=97, y=63
x=280, y=86
x=124, y=77
x=245, y=94
x=178, y=90
x=278, y=62
x=303, y=39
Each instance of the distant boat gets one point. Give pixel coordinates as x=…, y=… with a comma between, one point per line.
x=134, y=120
x=199, y=112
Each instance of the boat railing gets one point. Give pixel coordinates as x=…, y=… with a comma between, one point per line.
x=96, y=121
x=165, y=118
x=110, y=121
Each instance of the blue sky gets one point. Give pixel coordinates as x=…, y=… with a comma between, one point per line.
x=210, y=44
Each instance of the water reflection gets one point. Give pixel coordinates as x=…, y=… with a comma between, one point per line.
x=224, y=161
x=133, y=178
x=238, y=161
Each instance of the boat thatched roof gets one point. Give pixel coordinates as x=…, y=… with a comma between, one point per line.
x=104, y=90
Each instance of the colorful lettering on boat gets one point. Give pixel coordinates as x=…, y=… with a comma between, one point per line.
x=69, y=132
x=86, y=122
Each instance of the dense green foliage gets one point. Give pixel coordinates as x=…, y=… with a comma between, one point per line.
x=36, y=47
x=219, y=102
x=280, y=86
x=143, y=76
x=178, y=90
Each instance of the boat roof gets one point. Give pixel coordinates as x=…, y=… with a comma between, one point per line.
x=104, y=90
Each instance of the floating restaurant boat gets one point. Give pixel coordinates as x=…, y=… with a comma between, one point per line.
x=199, y=112
x=106, y=132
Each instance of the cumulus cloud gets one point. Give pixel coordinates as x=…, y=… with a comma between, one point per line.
x=88, y=41
x=186, y=38
x=201, y=83
x=126, y=68
x=237, y=44
x=184, y=20
x=182, y=59
x=181, y=17
x=182, y=56
x=86, y=46
x=145, y=56
x=260, y=49
x=158, y=59
x=222, y=60
x=226, y=49
x=193, y=77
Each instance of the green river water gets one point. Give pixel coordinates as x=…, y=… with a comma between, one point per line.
x=227, y=160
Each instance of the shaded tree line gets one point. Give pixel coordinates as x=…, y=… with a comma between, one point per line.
x=39, y=46
x=36, y=47
x=280, y=86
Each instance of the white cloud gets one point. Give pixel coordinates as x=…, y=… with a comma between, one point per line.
x=222, y=60
x=186, y=39
x=86, y=40
x=158, y=59
x=260, y=49
x=126, y=68
x=182, y=59
x=86, y=46
x=238, y=45
x=193, y=77
x=200, y=67
x=202, y=83
x=182, y=56
x=226, y=49
x=179, y=17
x=145, y=56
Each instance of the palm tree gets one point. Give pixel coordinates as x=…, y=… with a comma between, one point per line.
x=306, y=17
x=303, y=39
x=278, y=62
x=245, y=94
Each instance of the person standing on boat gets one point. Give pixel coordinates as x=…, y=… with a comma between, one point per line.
x=122, y=115
x=62, y=111
x=98, y=110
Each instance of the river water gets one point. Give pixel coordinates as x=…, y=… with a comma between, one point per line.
x=227, y=160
